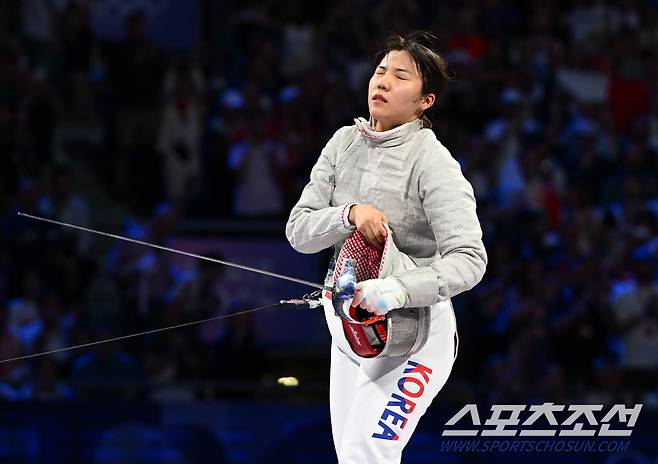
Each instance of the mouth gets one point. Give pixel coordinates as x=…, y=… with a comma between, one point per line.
x=379, y=97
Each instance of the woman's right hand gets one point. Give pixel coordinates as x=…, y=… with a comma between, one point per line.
x=370, y=222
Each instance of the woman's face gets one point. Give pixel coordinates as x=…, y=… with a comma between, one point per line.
x=394, y=91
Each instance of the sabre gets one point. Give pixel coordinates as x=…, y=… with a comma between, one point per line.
x=180, y=252
x=311, y=300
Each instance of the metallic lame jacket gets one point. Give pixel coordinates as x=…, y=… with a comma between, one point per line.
x=411, y=177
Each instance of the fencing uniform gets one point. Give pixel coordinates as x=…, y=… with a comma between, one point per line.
x=411, y=177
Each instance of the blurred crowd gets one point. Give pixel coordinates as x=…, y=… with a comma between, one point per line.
x=552, y=113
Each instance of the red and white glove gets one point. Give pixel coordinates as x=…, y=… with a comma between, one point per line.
x=379, y=296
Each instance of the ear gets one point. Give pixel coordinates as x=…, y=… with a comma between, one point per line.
x=427, y=101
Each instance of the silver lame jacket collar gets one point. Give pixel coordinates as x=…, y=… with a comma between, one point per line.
x=390, y=138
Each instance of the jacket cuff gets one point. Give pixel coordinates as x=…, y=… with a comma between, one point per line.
x=423, y=287
x=346, y=216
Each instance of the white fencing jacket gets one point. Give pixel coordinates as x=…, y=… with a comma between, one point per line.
x=411, y=177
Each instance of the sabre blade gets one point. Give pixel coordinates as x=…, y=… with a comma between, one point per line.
x=180, y=252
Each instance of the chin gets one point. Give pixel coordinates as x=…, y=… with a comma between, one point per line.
x=375, y=114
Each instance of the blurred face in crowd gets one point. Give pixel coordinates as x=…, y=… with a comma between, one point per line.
x=395, y=91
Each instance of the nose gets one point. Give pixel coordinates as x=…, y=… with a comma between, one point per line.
x=382, y=83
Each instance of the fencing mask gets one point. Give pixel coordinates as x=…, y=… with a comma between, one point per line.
x=401, y=331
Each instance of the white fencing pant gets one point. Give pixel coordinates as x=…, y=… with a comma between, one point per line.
x=376, y=404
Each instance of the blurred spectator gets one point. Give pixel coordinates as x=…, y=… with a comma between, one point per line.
x=257, y=162
x=203, y=295
x=504, y=134
x=466, y=43
x=607, y=387
x=180, y=133
x=298, y=36
x=79, y=55
x=62, y=204
x=225, y=125
x=38, y=113
x=591, y=19
x=102, y=301
x=25, y=321
x=10, y=346
x=59, y=321
x=580, y=320
x=38, y=30
x=11, y=92
x=106, y=371
x=135, y=74
x=147, y=277
x=635, y=308
x=47, y=385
